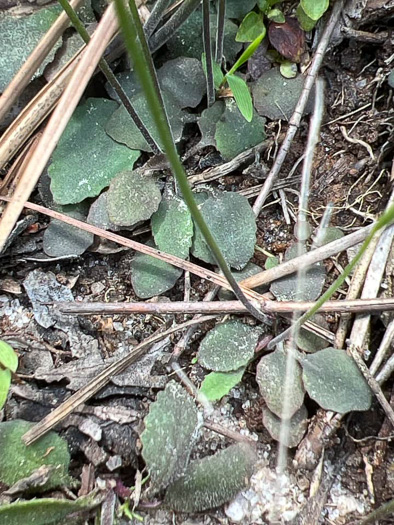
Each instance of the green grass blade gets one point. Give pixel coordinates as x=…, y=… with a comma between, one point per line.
x=242, y=96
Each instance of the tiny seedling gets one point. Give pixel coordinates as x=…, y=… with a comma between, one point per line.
x=8, y=366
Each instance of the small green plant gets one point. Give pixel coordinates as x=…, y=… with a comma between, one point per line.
x=8, y=365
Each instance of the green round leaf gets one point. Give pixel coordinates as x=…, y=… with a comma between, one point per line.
x=218, y=384
x=121, y=127
x=86, y=159
x=184, y=79
x=211, y=481
x=232, y=222
x=172, y=227
x=334, y=381
x=315, y=9
x=151, y=276
x=8, y=356
x=310, y=342
x=18, y=461
x=131, y=198
x=170, y=432
x=297, y=426
x=234, y=134
x=271, y=377
x=251, y=27
x=288, y=69
x=228, y=346
x=249, y=270
x=61, y=239
x=306, y=23
x=5, y=382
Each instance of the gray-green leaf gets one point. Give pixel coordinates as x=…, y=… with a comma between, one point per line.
x=334, y=381
x=131, y=198
x=234, y=134
x=212, y=481
x=170, y=432
x=232, y=222
x=207, y=123
x=297, y=426
x=228, y=346
x=151, y=276
x=61, y=239
x=86, y=158
x=18, y=461
x=271, y=376
x=183, y=77
x=172, y=227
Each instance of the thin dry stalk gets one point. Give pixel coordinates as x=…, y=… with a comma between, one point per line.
x=384, y=348
x=220, y=307
x=86, y=392
x=58, y=122
x=24, y=75
x=35, y=112
x=314, y=256
x=299, y=109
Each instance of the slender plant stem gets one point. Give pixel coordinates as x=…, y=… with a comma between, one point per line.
x=178, y=18
x=107, y=71
x=155, y=17
x=220, y=31
x=206, y=33
x=385, y=220
x=137, y=47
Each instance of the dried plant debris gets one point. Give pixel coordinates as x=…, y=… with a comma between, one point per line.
x=45, y=511
x=131, y=198
x=17, y=461
x=170, y=432
x=218, y=384
x=187, y=41
x=151, y=276
x=297, y=426
x=228, y=346
x=122, y=128
x=296, y=288
x=232, y=222
x=234, y=134
x=271, y=376
x=310, y=342
x=334, y=381
x=276, y=97
x=184, y=78
x=213, y=480
x=249, y=270
x=172, y=226
x=86, y=155
x=19, y=35
x=61, y=239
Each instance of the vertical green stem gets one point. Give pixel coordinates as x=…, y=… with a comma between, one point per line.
x=137, y=47
x=107, y=71
x=206, y=32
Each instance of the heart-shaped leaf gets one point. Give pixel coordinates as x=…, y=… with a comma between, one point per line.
x=228, y=346
x=86, y=158
x=234, y=134
x=306, y=23
x=251, y=27
x=170, y=432
x=297, y=426
x=218, y=384
x=121, y=128
x=271, y=376
x=131, y=198
x=211, y=481
x=232, y=222
x=315, y=9
x=334, y=381
x=18, y=461
x=172, y=227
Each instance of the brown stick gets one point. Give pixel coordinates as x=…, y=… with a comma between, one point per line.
x=299, y=109
x=86, y=392
x=24, y=75
x=59, y=119
x=221, y=307
x=314, y=256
